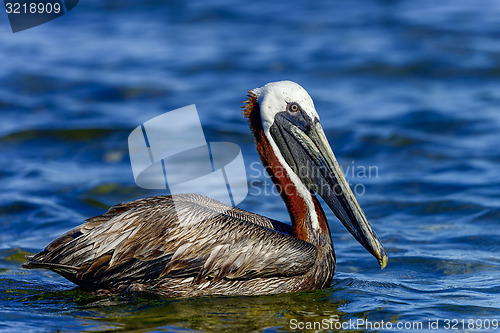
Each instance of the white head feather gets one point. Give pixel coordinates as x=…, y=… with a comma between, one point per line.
x=274, y=97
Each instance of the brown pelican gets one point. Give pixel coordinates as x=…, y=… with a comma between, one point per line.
x=204, y=247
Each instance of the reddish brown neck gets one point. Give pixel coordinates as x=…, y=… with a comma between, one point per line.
x=298, y=209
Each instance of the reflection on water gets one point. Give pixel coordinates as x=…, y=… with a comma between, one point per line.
x=410, y=88
x=144, y=312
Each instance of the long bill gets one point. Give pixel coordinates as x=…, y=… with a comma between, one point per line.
x=324, y=176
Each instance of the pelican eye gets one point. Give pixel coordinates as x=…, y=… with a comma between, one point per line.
x=293, y=107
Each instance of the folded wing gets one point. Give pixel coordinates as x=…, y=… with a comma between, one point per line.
x=176, y=237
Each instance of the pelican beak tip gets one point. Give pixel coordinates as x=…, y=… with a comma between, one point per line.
x=383, y=262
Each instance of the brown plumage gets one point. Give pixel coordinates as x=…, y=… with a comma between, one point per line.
x=190, y=245
x=152, y=245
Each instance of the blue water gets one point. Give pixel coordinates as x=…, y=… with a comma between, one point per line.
x=409, y=90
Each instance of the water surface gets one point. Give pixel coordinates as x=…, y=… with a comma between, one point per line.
x=407, y=89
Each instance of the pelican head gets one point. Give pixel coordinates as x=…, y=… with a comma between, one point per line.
x=292, y=127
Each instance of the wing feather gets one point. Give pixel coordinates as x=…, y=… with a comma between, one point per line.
x=178, y=236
